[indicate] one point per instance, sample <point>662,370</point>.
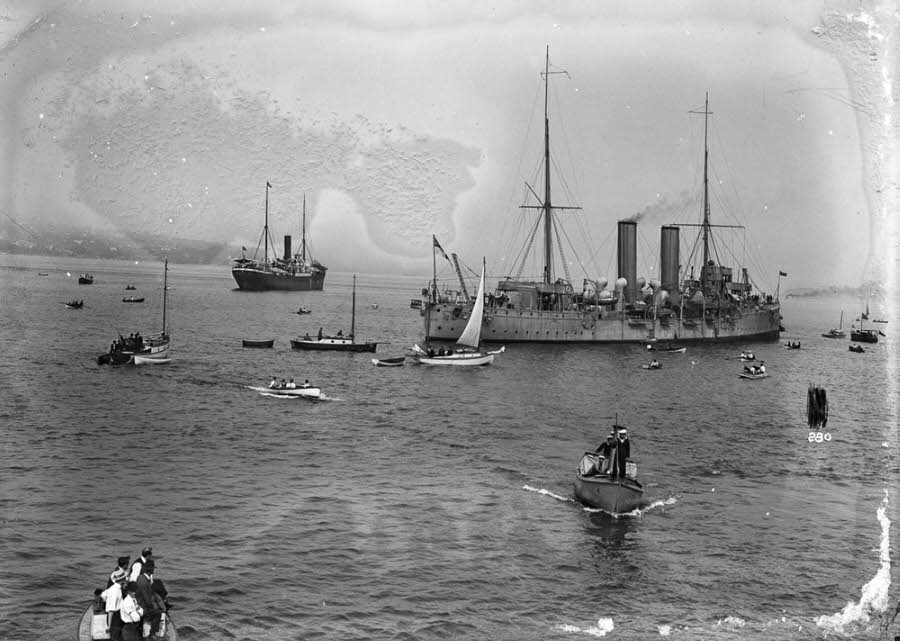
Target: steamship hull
<point>259,280</point>
<point>445,321</point>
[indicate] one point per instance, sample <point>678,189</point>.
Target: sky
<point>402,120</point>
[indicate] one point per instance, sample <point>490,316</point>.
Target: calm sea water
<point>419,503</point>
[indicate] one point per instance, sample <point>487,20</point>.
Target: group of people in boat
<point>320,335</point>
<point>133,597</point>
<point>440,352</point>
<point>276,384</point>
<point>76,303</point>
<point>748,356</point>
<point>614,453</point>
<point>134,342</point>
<point>756,369</point>
<point>791,345</point>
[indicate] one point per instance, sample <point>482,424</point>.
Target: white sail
<point>471,335</point>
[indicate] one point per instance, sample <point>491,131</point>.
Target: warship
<point>707,302</point>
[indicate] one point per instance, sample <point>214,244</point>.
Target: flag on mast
<point>437,246</point>
<point>780,273</point>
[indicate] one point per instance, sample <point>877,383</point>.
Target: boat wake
<point>874,597</point>
<point>599,630</point>
<point>564,499</point>
<point>638,511</point>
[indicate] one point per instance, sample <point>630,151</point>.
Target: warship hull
<point>446,321</point>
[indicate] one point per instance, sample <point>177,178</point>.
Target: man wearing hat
<point>604,453</point>
<point>146,553</point>
<point>122,563</point>
<point>113,596</point>
<point>622,447</point>
<point>149,600</point>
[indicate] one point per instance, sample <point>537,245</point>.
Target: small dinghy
<point>667,348</point>
<point>857,348</point>
<point>389,362</point>
<point>258,344</point>
<point>749,375</point>
<point>132,299</point>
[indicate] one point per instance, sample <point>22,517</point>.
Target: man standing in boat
<point>604,454</point>
<point>622,452</point>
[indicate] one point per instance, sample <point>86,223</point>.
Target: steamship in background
<point>710,302</point>
<point>290,273</point>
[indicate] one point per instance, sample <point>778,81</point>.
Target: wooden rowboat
<point>259,344</point>
<point>389,362</point>
<point>753,376</point>
<point>92,625</point>
<point>132,299</point>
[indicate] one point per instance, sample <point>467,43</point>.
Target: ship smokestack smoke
<point>664,208</point>
<point>627,258</point>
<point>287,247</point>
<point>669,257</point>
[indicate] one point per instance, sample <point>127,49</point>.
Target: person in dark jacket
<point>622,447</point>
<point>151,603</point>
<point>604,454</point>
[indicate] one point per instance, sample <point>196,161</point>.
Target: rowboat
<point>668,348</point>
<point>92,625</point>
<point>132,299</point>
<point>653,366</point>
<point>753,376</point>
<point>307,392</point>
<point>304,310</point>
<point>389,362</point>
<point>259,344</point>
<point>857,348</point>
<point>86,279</point>
<point>605,493</point>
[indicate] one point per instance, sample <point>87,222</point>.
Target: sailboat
<point>290,273</point>
<point>715,303</point>
<point>338,343</point>
<point>468,347</point>
<point>149,350</point>
<point>860,334</point>
<point>839,332</point>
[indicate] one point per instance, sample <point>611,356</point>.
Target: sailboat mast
<point>548,212</point>
<point>706,183</point>
<point>165,293</point>
<point>266,227</point>
<point>353,310</point>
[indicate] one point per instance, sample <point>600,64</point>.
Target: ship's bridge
<point>532,294</point>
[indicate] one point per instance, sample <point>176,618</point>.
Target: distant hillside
<point>135,247</point>
<point>873,290</point>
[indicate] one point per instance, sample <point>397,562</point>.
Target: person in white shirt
<point>146,553</point>
<point>113,596</point>
<point>131,614</point>
<point>291,384</point>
